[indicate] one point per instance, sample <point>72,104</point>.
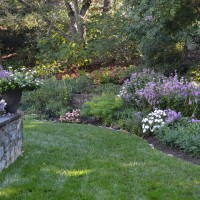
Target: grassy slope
<point>66,161</point>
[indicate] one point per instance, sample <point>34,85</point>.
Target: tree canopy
<point>81,32</point>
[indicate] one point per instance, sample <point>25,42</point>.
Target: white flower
<point>145,120</point>
<point>150,121</point>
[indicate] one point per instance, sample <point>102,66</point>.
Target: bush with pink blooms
<point>71,117</point>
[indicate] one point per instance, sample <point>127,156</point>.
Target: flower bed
<point>154,103</point>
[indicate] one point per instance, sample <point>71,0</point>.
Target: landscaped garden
<point>102,86</point>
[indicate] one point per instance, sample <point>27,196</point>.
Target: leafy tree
<point>165,30</point>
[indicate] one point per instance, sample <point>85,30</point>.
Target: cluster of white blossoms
<point>19,79</point>
<point>153,121</point>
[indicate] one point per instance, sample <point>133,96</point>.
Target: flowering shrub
<point>71,116</point>
<point>158,119</point>
<point>163,92</point>
<point>195,120</point>
<point>172,116</point>
<point>2,105</point>
<point>137,81</point>
<point>153,121</point>
<point>178,94</point>
<point>22,79</point>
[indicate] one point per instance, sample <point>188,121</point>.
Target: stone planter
<point>11,139</point>
<point>12,98</point>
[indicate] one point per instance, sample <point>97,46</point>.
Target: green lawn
<point>69,161</point>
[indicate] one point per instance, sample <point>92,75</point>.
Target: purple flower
<point>195,121</point>
<point>5,74</point>
<point>148,18</point>
<point>172,116</point>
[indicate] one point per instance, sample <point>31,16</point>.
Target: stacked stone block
<point>11,139</point>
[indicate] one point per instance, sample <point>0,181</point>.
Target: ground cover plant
<point>69,161</point>
<point>184,135</point>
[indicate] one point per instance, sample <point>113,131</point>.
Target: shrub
<point>79,84</point>
<point>111,74</point>
<point>163,93</point>
<point>138,80</point>
<point>157,119</point>
<point>71,116</point>
<point>51,100</point>
<point>129,119</point>
<point>185,136</point>
<point>153,121</point>
<point>105,88</point>
<point>103,107</point>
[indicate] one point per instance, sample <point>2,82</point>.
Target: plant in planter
<point>13,82</point>
<point>2,105</point>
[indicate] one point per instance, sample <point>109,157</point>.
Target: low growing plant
<point>51,100</point>
<point>153,121</point>
<point>103,107</point>
<point>80,84</point>
<point>71,117</point>
<point>185,136</point>
<point>158,119</point>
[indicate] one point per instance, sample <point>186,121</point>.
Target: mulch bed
<point>171,151</point>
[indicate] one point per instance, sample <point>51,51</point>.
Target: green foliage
<point>51,100</point>
<point>163,30</point>
<point>103,107</point>
<point>111,74</point>
<point>80,84</point>
<point>19,79</point>
<point>185,136</point>
<point>194,73</point>
<point>108,40</point>
<point>105,88</point>
<point>129,119</point>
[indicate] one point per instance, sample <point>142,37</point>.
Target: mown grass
<point>70,161</point>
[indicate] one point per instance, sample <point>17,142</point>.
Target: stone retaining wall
<point>11,139</point>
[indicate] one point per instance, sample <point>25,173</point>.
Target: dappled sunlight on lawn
<point>74,172</point>
<point>67,172</point>
<point>8,192</point>
<point>133,164</point>
<point>28,126</point>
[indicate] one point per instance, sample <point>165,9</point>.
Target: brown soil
<point>171,151</point>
